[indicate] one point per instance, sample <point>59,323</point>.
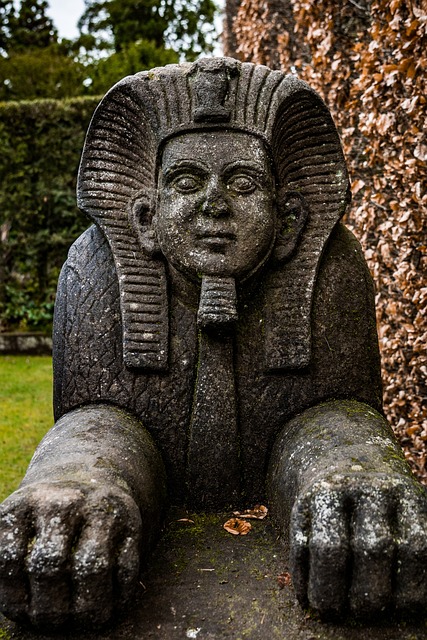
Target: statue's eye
<point>186,183</point>
<point>241,184</point>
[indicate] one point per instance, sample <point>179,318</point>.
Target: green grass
<point>25,414</point>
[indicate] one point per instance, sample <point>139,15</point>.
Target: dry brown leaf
<point>357,185</point>
<point>410,431</point>
<point>284,580</point>
<point>259,512</point>
<point>237,527</point>
<point>186,520</point>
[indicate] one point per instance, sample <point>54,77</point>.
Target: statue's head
<point>219,209</point>
<point>216,212</point>
<point>216,169</point>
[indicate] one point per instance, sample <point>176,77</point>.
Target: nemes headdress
<point>119,164</point>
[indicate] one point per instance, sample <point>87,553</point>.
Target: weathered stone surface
<point>202,578</point>
<point>91,368</point>
<point>89,508</point>
<point>358,519</point>
<point>216,322</point>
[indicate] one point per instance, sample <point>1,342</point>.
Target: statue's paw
<point>69,554</point>
<point>359,545</point>
<point>105,563</point>
<point>411,554</point>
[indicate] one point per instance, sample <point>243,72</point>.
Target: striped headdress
<point>119,164</point>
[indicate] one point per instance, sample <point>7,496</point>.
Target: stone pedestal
<point>205,583</point>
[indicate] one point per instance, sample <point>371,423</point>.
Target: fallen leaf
<point>259,512</point>
<point>186,520</point>
<point>284,580</point>
<point>237,527</point>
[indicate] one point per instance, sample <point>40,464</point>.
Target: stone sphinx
<point>214,345</point>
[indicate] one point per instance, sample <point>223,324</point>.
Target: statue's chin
<point>218,265</point>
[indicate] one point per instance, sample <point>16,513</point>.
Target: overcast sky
<point>65,14</point>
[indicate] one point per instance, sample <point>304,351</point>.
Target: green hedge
<point>40,147</point>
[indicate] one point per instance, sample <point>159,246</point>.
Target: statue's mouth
<point>216,240</point>
<point>216,236</point>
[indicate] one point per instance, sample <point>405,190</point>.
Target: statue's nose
<point>215,204</point>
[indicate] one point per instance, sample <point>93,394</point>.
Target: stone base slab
<point>205,583</point>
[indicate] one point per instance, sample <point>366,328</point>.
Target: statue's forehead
<point>215,147</point>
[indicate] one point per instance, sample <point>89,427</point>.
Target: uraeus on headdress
<point>119,164</point>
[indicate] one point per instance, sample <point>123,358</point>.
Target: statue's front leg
<point>72,536</point>
<point>356,517</point>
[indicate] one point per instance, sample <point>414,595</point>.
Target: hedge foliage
<point>368,60</point>
<point>40,146</point>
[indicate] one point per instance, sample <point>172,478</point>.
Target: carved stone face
<point>216,206</point>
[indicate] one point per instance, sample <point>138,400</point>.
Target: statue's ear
<point>142,218</point>
<point>292,214</point>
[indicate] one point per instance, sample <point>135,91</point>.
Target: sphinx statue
<point>214,346</point>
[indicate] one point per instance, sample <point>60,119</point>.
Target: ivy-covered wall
<point>40,147</point>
